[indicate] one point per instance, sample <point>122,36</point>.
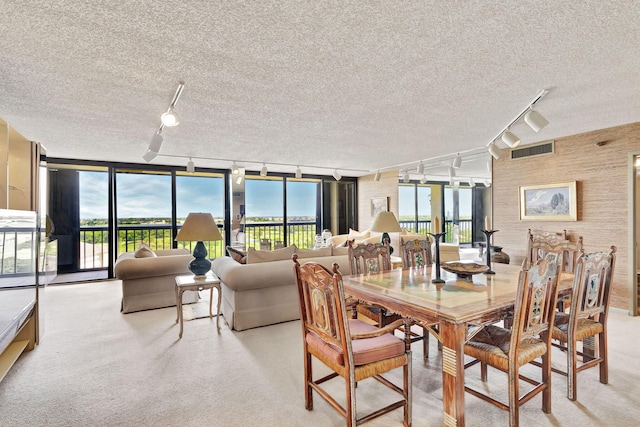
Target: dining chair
<point>375,258</point>
<point>540,243</point>
<point>529,338</point>
<point>351,348</point>
<point>587,317</point>
<point>416,253</point>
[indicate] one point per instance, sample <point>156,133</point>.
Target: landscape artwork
<point>549,202</point>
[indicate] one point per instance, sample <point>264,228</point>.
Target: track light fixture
<point>337,175</point>
<point>170,118</point>
<point>452,172</point>
<point>531,117</point>
<point>154,146</point>
<point>535,120</point>
<point>239,179</point>
<point>191,167</point>
<point>487,183</point>
<point>234,169</point>
<point>423,179</point>
<point>510,139</point>
<point>495,151</point>
<point>420,169</point>
<point>472,182</point>
<point>376,178</point>
<point>149,155</point>
<point>457,162</point>
<point>299,173</point>
<point>263,171</point>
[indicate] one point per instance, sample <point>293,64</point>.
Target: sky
<point>149,196</point>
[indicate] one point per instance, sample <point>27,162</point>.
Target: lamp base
<point>200,266</point>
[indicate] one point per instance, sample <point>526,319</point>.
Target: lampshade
<point>495,151</point>
<point>170,118</point>
<point>385,222</point>
<point>198,227</point>
<point>535,120</point>
<point>510,139</point>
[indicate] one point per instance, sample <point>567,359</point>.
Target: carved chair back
<point>591,286</point>
<point>416,253</point>
<point>369,258</point>
<point>541,243</point>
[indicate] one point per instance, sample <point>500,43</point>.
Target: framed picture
<point>378,204</point>
<point>549,202</point>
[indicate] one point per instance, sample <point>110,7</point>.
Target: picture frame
<point>379,204</point>
<point>549,202</point>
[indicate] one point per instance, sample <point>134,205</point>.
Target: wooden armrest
<point>381,331</point>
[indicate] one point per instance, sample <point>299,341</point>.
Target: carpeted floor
<point>97,367</point>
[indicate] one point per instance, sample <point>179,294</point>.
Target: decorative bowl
<point>464,270</point>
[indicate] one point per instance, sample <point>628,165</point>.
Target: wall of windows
<point>460,210</point>
<point>101,210</point>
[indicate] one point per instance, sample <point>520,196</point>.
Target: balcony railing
<point>424,226</point>
<point>94,240</point>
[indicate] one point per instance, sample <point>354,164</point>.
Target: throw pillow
<point>254,256</point>
<point>313,253</point>
<point>237,255</point>
<point>144,251</point>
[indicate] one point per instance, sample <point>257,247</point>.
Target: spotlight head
<point>191,168</point>
<point>149,155</point>
<point>423,179</point>
<point>263,171</point>
<point>156,143</point>
<point>487,183</point>
<point>452,172</point>
<point>405,178</point>
<point>472,182</point>
<point>337,175</point>
<point>420,169</point>
<point>535,120</point>
<point>298,173</point>
<point>510,139</point>
<point>376,178</point>
<point>495,151</point>
<point>234,169</point>
<point>457,162</point>
<point>239,179</point>
<point>170,118</point>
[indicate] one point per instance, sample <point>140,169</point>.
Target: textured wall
<point>368,188</point>
<point>602,175</point>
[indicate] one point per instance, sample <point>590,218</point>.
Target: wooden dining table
<point>459,306</point>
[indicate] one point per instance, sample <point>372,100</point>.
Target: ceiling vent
<point>533,150</point>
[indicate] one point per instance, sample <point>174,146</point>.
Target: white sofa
<point>149,282</point>
<point>264,293</point>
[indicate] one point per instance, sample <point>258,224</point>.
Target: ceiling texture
<point>358,86</point>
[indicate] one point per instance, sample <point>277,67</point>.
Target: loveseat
<point>149,278</point>
<point>263,291</point>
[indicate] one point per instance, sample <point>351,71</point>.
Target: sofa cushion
<point>340,250</point>
<point>355,234</point>
<point>237,255</point>
<point>313,253</point>
<point>144,251</point>
<point>254,256</point>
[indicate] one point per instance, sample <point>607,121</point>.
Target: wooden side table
<point>396,262</point>
<point>189,282</point>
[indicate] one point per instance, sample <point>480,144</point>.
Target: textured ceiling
<point>360,85</point>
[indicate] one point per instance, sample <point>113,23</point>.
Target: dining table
<point>459,307</point>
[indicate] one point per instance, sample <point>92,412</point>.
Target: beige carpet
<point>97,367</point>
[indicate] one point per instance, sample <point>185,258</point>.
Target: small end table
<point>189,282</point>
<point>396,262</point>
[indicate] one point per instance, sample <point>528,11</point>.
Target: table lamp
<point>385,223</point>
<point>199,227</point>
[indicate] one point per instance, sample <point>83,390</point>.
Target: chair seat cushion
<point>365,351</point>
<point>491,345</point>
<point>586,328</point>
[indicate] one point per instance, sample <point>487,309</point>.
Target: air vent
<point>533,150</point>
